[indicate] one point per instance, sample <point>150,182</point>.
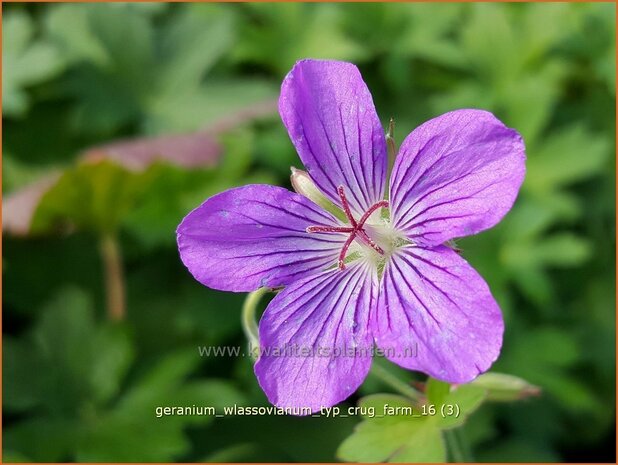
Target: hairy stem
<point>249,323</point>
<point>114,277</point>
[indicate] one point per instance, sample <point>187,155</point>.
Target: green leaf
<point>114,355</point>
<point>9,456</point>
<point>126,439</point>
<point>16,173</point>
<point>569,155</point>
<point>285,33</point>
<point>543,27</point>
<point>165,385</point>
<point>425,446</point>
<point>190,110</point>
<point>412,441</point>
<point>132,431</point>
<point>534,215</point>
<point>113,52</point>
<point>126,36</point>
<point>212,26</point>
<point>161,379</point>
<point>527,221</point>
<point>128,75</point>
<point>91,196</point>
<point>21,390</point>
<point>375,442</point>
<point>560,250</point>
<point>427,36</point>
<point>67,361</point>
<point>463,400</point>
<point>536,285</point>
<point>531,100</point>
<point>44,439</point>
<point>64,337</point>
<point>546,357</point>
<point>68,26</point>
<point>490,42</point>
<point>25,60</point>
<point>173,193</point>
<point>396,430</point>
<point>393,438</point>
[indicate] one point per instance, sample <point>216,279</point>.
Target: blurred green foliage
<point>78,387</point>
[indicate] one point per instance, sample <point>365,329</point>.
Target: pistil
<point>355,231</point>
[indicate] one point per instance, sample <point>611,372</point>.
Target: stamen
<point>344,251</point>
<point>370,242</point>
<point>346,205</point>
<point>373,208</point>
<point>314,229</point>
<point>355,231</point>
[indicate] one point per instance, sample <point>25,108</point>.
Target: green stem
<point>388,378</point>
<point>464,445</point>
<point>249,323</point>
<point>456,447</point>
<point>114,277</point>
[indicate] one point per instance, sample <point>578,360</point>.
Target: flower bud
<point>304,185</point>
<point>505,388</point>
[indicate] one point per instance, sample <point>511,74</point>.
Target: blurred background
<point>120,118</point>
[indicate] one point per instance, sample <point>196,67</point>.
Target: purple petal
<point>456,175</point>
<point>435,314</point>
<point>327,316</point>
<point>255,236</point>
<point>329,114</point>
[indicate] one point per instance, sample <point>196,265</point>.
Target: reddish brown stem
<point>114,277</point>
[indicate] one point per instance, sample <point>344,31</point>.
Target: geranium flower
<point>380,276</point>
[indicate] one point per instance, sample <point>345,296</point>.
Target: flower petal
<point>255,236</point>
<point>435,314</point>
<point>329,114</point>
<point>326,319</point>
<point>456,175</point>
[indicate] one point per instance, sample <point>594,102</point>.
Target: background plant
<point>81,383</point>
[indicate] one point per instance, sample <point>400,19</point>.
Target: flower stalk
<point>114,276</point>
<point>249,322</point>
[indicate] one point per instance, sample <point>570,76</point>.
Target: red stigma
<point>356,229</point>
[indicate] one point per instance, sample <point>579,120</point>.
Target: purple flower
<point>381,278</point>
